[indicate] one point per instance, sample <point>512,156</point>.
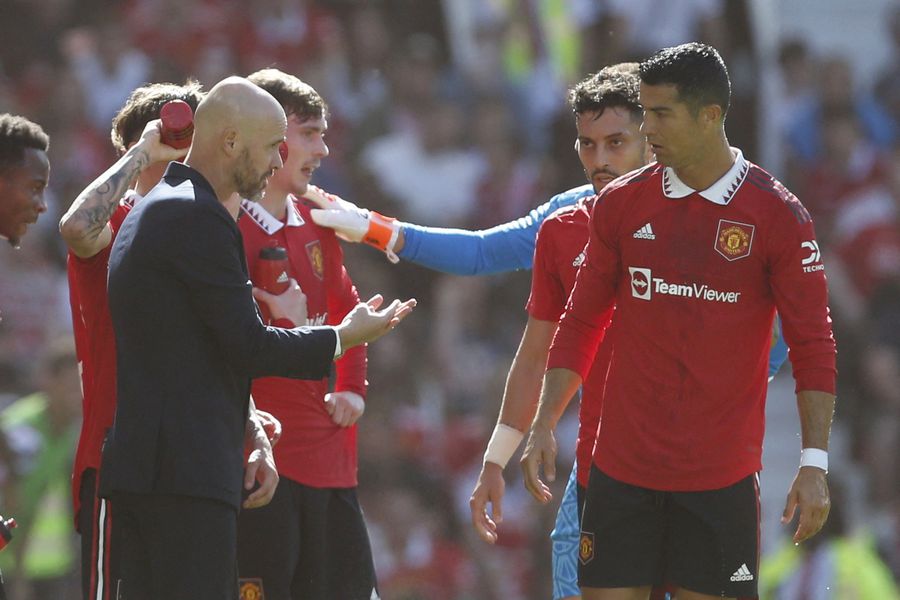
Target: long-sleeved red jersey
<point>559,252</point>
<point>313,450</point>
<point>95,346</point>
<point>696,278</point>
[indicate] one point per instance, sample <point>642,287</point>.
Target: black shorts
<point>307,543</point>
<point>707,541</point>
<point>99,564</point>
<point>175,547</point>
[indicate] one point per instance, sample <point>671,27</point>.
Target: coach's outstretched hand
<point>366,323</point>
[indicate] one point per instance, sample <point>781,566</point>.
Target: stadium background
<point>452,113</point>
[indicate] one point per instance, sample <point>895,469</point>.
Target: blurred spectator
<point>288,32</point>
<point>795,91</point>
<point>417,555</point>
<point>353,58</point>
<point>641,27</point>
<point>837,92</point>
<point>107,67</point>
<point>848,165</point>
<point>510,182</point>
<point>42,428</point>
<point>425,167</point>
<point>834,564</point>
<point>887,89</point>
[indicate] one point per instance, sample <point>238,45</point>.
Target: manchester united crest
<point>251,589</point>
<point>734,240</point>
<point>316,258</point>
<point>586,547</point>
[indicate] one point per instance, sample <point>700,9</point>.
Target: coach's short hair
<point>613,86</point>
<point>296,97</point>
<point>696,70</point>
<point>144,104</point>
<point>16,134</point>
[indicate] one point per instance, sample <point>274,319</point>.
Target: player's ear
<point>230,141</point>
<point>711,114</point>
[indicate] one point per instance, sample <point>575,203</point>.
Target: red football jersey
<point>696,278</point>
<point>95,347</point>
<point>313,450</point>
<point>559,251</point>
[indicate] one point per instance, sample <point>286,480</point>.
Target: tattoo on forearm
<point>97,203</point>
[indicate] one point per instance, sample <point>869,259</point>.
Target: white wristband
<point>503,444</point>
<point>814,457</point>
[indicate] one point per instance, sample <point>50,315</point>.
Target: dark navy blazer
<point>188,341</point>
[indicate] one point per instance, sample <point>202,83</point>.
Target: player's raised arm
<point>506,247</point>
<point>85,226</point>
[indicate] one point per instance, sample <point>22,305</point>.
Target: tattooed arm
<point>85,226</point>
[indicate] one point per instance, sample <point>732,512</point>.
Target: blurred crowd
<point>441,113</point>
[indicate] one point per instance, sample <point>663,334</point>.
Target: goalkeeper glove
<point>353,223</point>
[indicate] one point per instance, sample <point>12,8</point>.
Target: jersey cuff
<point>816,380</point>
<point>337,344</point>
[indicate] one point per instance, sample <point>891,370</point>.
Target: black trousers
<point>175,547</point>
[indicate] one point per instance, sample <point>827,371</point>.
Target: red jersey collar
<point>266,221</point>
<point>721,192</point>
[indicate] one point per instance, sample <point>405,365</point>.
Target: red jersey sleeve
<point>341,298</point>
<point>547,300</point>
<point>586,319</point>
<point>799,287</point>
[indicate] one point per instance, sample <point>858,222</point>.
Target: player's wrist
<point>382,233</point>
<point>814,457</point>
<point>504,442</point>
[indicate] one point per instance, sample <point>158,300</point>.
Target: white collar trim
<point>721,192</point>
<point>266,221</point>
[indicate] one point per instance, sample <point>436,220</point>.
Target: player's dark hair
<point>696,70</point>
<point>144,104</point>
<point>16,134</point>
<point>612,86</point>
<point>296,97</point>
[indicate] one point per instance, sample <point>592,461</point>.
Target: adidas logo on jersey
<point>742,574</point>
<point>579,260</point>
<point>283,278</point>
<point>645,233</point>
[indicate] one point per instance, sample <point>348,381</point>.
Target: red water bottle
<point>6,527</point>
<point>271,274</point>
<point>177,124</point>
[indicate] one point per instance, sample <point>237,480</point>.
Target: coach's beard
<point>248,184</point>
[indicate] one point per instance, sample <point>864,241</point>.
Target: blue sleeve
<point>506,247</point>
<point>779,352</point>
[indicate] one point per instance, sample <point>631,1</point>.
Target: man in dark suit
<point>188,342</point>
